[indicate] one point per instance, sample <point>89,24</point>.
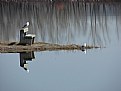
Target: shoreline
<point>15,47</point>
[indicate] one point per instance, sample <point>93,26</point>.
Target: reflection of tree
<point>58,21</point>
<point>61,0</point>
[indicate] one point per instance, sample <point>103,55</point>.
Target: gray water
<point>64,23</point>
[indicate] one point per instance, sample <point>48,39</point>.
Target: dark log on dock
<point>15,47</point>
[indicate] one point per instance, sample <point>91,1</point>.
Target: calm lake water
<point>64,23</point>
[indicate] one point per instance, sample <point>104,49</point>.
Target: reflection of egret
<point>85,51</point>
<point>26,67</point>
<point>26,25</point>
<point>27,70</point>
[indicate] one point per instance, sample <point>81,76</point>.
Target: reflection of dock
<point>24,57</point>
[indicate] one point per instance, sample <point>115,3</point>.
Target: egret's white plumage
<point>85,44</point>
<point>26,25</point>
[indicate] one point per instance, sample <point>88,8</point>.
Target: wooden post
<point>23,33</point>
<point>26,38</point>
<point>29,38</point>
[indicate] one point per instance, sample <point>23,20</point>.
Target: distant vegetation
<point>60,0</point>
<point>61,22</point>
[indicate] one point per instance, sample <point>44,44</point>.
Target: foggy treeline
<point>60,22</point>
<point>60,0</point>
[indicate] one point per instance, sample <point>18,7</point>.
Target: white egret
<point>26,25</point>
<point>85,44</point>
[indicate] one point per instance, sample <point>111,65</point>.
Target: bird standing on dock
<point>26,25</point>
<point>83,48</point>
